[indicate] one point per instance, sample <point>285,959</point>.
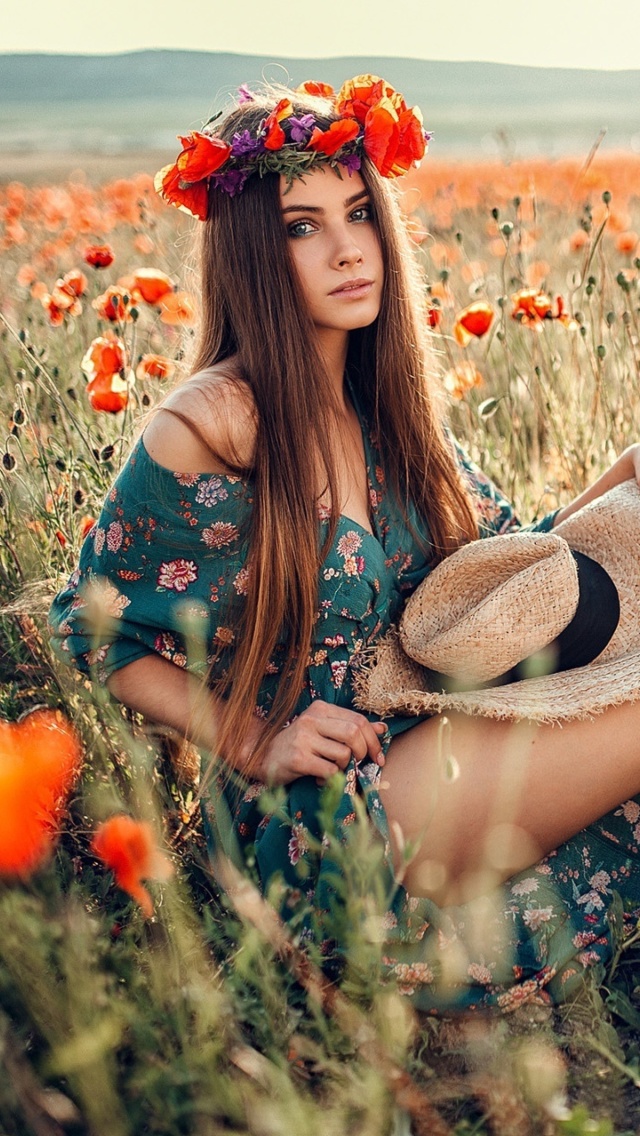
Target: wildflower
<point>151,284</point>
<point>113,305</point>
<point>39,760</point>
<point>578,240</point>
<point>86,524</point>
<point>434,314</point>
<point>99,256</point>
<point>177,308</point>
<point>143,243</point>
<point>128,848</point>
<point>26,275</point>
<point>184,183</point>
<point>627,242</point>
<point>530,306</point>
<point>274,135</point>
<point>108,392</point>
<point>461,379</point>
<point>338,134</point>
<point>320,90</point>
<point>154,367</point>
<point>106,355</point>
<point>473,321</point>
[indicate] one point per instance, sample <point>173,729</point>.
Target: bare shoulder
<point>219,406</point>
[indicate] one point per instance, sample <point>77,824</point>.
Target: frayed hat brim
<point>387,683</point>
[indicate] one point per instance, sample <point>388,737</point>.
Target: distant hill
<point>140,100</point>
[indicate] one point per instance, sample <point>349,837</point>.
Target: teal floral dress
<point>165,567</point>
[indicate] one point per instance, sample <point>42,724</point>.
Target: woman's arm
<point>320,741</point>
<point>624,468</point>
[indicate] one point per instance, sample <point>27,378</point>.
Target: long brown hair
<point>251,310</point>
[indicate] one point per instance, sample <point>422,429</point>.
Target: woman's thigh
<point>470,801</point>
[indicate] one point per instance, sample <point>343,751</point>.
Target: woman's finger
<point>356,733</point>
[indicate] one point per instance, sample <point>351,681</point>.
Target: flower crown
<point>373,119</point>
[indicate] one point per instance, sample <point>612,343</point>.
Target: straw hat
<point>498,601</point>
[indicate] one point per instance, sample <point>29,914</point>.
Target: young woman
<point>267,528</point>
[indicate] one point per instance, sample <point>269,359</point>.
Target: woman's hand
<point>320,741</point>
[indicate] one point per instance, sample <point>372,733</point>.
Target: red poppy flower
<point>461,379</point>
<point>39,760</point>
<point>201,155</point>
<point>114,304</point>
<point>74,282</point>
<point>151,284</point>
<point>356,97</point>
<point>177,308</point>
<point>106,355</point>
<point>434,315</point>
<point>274,134</point>
<point>530,306</point>
<point>108,392</point>
<point>55,313</point>
<point>127,846</point>
<point>154,367</point>
<point>311,87</point>
<point>86,524</point>
<point>473,321</point>
<point>191,199</point>
<point>329,141</point>
<point>393,142</point>
<point>99,256</point>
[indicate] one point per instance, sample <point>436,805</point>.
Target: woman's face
<point>335,246</point>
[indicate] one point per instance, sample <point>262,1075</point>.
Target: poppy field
<point>141,989</point>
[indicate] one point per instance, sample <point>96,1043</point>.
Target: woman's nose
<point>347,251</point>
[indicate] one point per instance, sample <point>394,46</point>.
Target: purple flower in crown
<point>231,181</point>
<point>351,162</point>
<point>301,128</point>
<point>244,143</point>
<point>245,95</point>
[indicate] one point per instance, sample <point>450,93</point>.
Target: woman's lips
<point>353,289</point>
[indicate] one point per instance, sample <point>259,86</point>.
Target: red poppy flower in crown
<point>372,119</point>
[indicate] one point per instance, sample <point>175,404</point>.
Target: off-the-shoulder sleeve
<point>496,514</point>
<point>163,571</point>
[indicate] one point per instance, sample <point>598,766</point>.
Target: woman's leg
<point>470,801</point>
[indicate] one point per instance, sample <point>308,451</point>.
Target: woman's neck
<point>333,349</point>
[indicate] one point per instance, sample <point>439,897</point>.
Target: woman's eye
<point>300,228</point>
<point>362,213</point>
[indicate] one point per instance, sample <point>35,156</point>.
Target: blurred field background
<point>202,1019</point>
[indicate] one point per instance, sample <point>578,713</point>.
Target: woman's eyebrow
<point>318,208</point>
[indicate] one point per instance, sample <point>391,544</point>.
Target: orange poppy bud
<point>99,256</point>
<point>39,760</point>
<point>151,284</point>
<point>128,848</point>
<point>461,379</point>
<point>154,367</point>
<point>473,321</point>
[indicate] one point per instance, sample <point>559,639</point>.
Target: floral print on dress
<point>168,544</point>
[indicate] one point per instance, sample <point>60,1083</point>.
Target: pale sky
<point>563,33</point>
